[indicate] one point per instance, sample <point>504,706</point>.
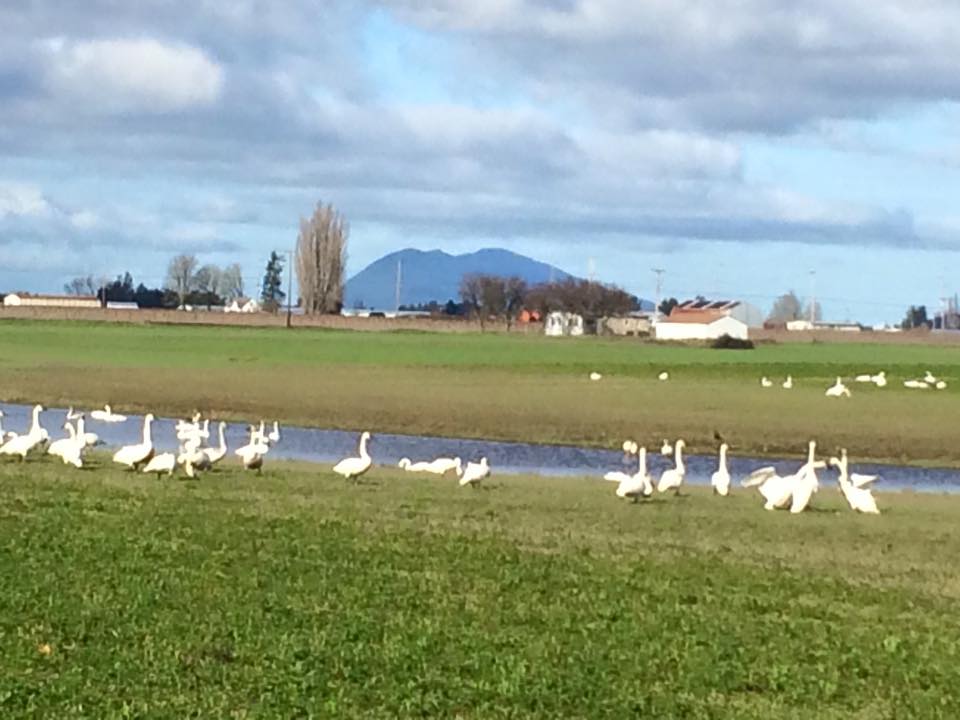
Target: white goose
<point>720,480</point>
<point>666,449</point>
<point>251,454</point>
<point>806,482</point>
<point>89,438</point>
<point>58,447</point>
<point>135,455</point>
<point>663,376</point>
<point>274,435</point>
<point>864,378</point>
<point>354,467</point>
<point>880,379</point>
<point>929,378</point>
<point>639,484</point>
<point>916,385</point>
<point>596,376</point>
<point>72,414</point>
<point>672,479</point>
<point>788,383</point>
<point>766,382</point>
<point>630,448</point>
<point>23,444</point>
<point>858,497</point>
<point>474,472</point>
<point>107,415</point>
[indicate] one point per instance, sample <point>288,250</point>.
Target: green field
<point>495,386</point>
<point>297,595</point>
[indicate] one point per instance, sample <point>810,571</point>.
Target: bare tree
<point>471,295</point>
<point>82,286</point>
<point>785,308</point>
<point>231,282</point>
<point>181,275</point>
<point>321,260</point>
<point>208,279</point>
<point>590,299</point>
<point>514,294</point>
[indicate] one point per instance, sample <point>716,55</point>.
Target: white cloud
<point>21,199</point>
<point>132,75</point>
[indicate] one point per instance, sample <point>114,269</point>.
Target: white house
<point>700,325</point>
<point>242,305</point>
<point>22,299</point>
<point>749,314</point>
<point>559,324</point>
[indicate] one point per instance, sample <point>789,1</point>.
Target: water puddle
<point>328,446</point>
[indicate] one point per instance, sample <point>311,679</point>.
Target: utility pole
<point>289,285</point>
<point>591,270</point>
<point>399,281</point>
<point>656,310</point>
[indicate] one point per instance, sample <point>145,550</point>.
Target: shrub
<point>725,342</point>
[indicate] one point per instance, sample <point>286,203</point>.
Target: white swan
<point>274,435</point>
<point>859,498</point>
<point>720,480</point>
<point>672,479</point>
<point>880,379</point>
<point>162,463</point>
<point>58,447</point>
<point>89,439</point>
<point>788,383</point>
<point>865,378</point>
<point>23,444</point>
<point>639,484</point>
<point>107,415</point>
<point>805,482</point>
<point>916,385</point>
<point>941,385</point>
<point>251,454</point>
<point>215,455</point>
<point>596,376</point>
<point>929,378</point>
<point>630,448</point>
<point>438,466</point>
<point>135,455</point>
<point>775,489</point>
<point>474,472</point>
<point>663,376</point>
<point>73,415</point>
<point>766,382</point>
<point>354,467</point>
<point>666,449</point>
<point>838,389</point>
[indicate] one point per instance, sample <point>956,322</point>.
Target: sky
<point>746,147</point>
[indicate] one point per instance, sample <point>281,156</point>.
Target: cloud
<point>132,75</point>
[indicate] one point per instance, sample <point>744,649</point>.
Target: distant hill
<point>435,275</point>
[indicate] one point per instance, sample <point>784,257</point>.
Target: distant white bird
<point>596,376</point>
<point>58,447</point>
<point>941,385</point>
<point>857,496</point>
<point>354,467</point>
<point>867,378</point>
<point>663,376</point>
<point>880,379</point>
<point>215,455</point>
<point>788,383</point>
<point>22,444</point>
<point>251,454</point>
<point>72,415</point>
<point>274,435</point>
<point>838,389</point>
<point>916,384</point>
<point>639,484</point>
<point>630,448</point>
<point>439,466</point>
<point>929,378</point>
<point>135,455</point>
<point>474,472</point>
<point>672,479</point>
<point>720,480</point>
<point>776,489</point>
<point>766,382</point>
<point>666,449</point>
<point>89,438</point>
<point>107,415</point>
<point>162,463</point>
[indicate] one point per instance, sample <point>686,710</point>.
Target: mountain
<point>435,275</point>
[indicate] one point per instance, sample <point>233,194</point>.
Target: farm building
<point>750,315</point>
<point>629,325</point>
<point>560,324</point>
<point>242,305</point>
<point>22,299</point>
<point>700,325</point>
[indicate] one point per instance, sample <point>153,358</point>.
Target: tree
<point>321,260</point>
<point>592,300</point>
<point>817,312</point>
<point>181,275</point>
<point>82,286</point>
<point>207,284</point>
<point>667,306</point>
<point>786,308</point>
<point>271,294</point>
<point>515,295</point>
<point>231,282</point>
<point>471,295</point>
<point>916,318</point>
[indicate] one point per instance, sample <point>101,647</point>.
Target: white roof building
<point>242,305</point>
<point>21,299</point>
<point>699,325</point>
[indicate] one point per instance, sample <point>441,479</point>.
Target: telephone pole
<point>813,297</point>
<point>289,285</point>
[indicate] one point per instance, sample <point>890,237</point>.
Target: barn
<point>22,299</point>
<point>700,325</point>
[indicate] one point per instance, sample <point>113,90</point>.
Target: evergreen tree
<point>271,295</point>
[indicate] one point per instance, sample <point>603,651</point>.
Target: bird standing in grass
<point>353,467</point>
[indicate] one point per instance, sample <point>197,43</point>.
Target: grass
<point>494,386</point>
<point>296,595</point>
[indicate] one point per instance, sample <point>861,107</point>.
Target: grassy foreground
<point>495,386</point>
<point>296,595</point>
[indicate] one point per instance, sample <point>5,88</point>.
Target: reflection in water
<point>328,446</point>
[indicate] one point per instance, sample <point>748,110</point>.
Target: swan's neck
<point>146,431</point>
<point>678,456</point>
<point>642,468</point>
<point>71,432</point>
<point>35,427</point>
<point>81,426</point>
<point>363,448</point>
<point>223,440</point>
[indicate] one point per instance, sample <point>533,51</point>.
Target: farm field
<point>507,387</point>
<point>294,594</point>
